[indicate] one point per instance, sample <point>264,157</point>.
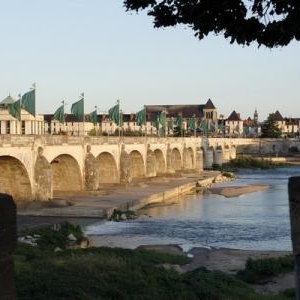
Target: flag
<point>114,114</point>
<point>203,126</point>
<point>77,109</point>
<point>140,117</point>
<point>93,117</point>
<point>28,102</point>
<point>191,123</point>
<point>178,121</point>
<point>59,114</point>
<point>162,118</point>
<point>15,109</point>
<point>171,124</point>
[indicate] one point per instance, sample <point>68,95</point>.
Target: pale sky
<point>72,46</point>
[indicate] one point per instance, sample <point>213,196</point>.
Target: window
<point>7,127</point>
<point>23,127</point>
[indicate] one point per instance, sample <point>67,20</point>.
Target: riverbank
<point>226,260</point>
<point>102,203</point>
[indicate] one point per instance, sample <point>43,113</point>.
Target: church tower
<point>255,117</point>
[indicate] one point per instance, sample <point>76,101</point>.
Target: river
<point>255,221</point>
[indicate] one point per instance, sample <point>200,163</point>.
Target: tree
<point>270,128</point>
<point>271,23</point>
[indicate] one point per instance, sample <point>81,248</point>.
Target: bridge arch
<point>107,168</point>
<point>14,179</point>
<point>66,174</point>
<point>137,164</point>
<point>160,162</point>
<point>176,159</point>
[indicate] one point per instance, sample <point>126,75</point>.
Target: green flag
<point>140,117</point>
<point>114,114</point>
<point>203,126</point>
<point>59,114</point>
<point>15,109</point>
<point>178,121</point>
<point>93,117</point>
<point>77,109</point>
<point>28,102</point>
<point>163,119</point>
<point>191,123</point>
<point>171,124</point>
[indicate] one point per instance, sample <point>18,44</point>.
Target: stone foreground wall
<point>8,236</point>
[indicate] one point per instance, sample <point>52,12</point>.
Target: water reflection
<point>251,221</point>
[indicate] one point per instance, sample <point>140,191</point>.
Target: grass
<point>259,270</point>
<point>53,237</point>
<point>250,162</point>
<point>106,273</point>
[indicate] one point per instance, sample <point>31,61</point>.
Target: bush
<point>57,236</point>
<point>293,149</point>
<point>250,162</point>
<point>260,269</point>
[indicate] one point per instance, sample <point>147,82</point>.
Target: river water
<point>255,221</point>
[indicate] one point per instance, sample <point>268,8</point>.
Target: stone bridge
<point>35,167</point>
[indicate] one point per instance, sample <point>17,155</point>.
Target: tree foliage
<point>270,128</point>
<point>271,23</point>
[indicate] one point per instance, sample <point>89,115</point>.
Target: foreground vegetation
<point>258,270</point>
<point>251,163</point>
<point>105,273</point>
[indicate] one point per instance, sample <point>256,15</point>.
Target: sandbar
<point>235,191</point>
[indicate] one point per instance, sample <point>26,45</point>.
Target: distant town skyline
<point>98,48</point>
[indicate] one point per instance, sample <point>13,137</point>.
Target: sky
<point>96,47</point>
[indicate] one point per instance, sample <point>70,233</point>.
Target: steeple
<point>255,116</point>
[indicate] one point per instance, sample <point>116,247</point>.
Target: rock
<point>123,217</point>
<point>57,249</point>
<point>84,244</point>
<point>72,238</point>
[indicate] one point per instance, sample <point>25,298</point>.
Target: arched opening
<point>137,165</point>
<point>107,168</point>
<point>66,174</point>
<point>160,162</point>
<point>14,179</point>
<point>176,159</point>
<point>188,159</point>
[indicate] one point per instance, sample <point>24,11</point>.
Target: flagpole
<point>194,119</point>
<point>145,122</point>
<point>83,112</point>
<point>20,118</point>
<point>96,120</point>
<point>63,103</point>
<point>34,88</point>
<point>118,102</point>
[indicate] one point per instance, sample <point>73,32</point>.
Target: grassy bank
<point>105,273</point>
<point>248,162</point>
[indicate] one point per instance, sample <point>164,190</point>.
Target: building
<point>27,124</point>
<point>234,125</point>
<point>71,126</point>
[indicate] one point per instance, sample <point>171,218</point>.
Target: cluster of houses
<point>159,120</point>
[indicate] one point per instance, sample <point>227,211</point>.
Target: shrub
<point>293,149</point>
<point>260,269</point>
<point>52,237</point>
